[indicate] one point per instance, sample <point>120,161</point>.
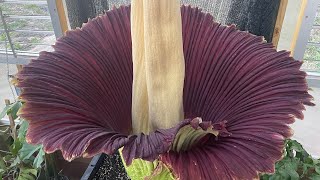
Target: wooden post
<point>279,22</point>
<point>298,26</point>
<point>12,123</point>
<point>62,15</point>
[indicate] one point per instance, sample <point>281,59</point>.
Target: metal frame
<point>96,161</point>
<point>313,81</point>
<point>24,57</point>
<point>307,25</point>
<point>20,42</point>
<point>23,2</point>
<point>19,60</point>
<point>5,121</point>
<point>5,30</point>
<point>29,31</point>
<point>305,29</point>
<point>55,18</point>
<point>27,17</point>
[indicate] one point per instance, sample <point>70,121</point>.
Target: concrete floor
<point>307,131</point>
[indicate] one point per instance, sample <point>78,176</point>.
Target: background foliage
<point>18,159</point>
<point>296,164</point>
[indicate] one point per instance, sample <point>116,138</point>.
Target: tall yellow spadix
<point>158,64</point>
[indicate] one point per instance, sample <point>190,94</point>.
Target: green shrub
<point>296,164</point>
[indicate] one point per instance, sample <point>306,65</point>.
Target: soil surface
<point>111,168</point>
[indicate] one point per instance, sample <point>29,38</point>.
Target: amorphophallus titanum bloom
<point>238,94</point>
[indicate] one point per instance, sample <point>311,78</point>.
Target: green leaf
<point>27,174</point>
<point>28,150</point>
<point>39,159</point>
<point>282,172</point>
<point>293,174</point>
<point>7,158</point>
<point>15,147</point>
<point>309,160</point>
<point>306,167</point>
<point>1,173</point>
<point>161,172</point>
<point>315,177</point>
<point>277,177</point>
<point>291,169</point>
<point>296,164</point>
<point>296,146</point>
<point>16,162</point>
<point>23,130</point>
<point>316,161</point>
<point>265,177</point>
<point>2,164</point>
<point>4,112</point>
<point>140,169</point>
<point>14,108</point>
<point>317,169</point>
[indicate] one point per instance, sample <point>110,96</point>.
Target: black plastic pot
<point>106,167</point>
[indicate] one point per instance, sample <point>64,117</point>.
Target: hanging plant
<point>239,96</point>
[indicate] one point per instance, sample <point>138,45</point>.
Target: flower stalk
<point>158,65</point>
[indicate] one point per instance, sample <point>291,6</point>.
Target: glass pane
<point>29,26</point>
<point>5,90</point>
<point>312,59</point>
<point>317,21</point>
<point>25,9</point>
<point>28,23</point>
<point>315,36</point>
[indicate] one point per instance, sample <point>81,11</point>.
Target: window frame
<point>307,19</point>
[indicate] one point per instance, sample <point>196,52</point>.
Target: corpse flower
<point>238,95</point>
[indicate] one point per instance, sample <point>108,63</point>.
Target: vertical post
<point>303,28</point>
<point>19,67</point>
<point>6,30</point>
<point>62,12</point>
<point>58,17</point>
<point>279,22</point>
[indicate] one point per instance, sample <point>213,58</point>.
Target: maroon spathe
<point>78,98</point>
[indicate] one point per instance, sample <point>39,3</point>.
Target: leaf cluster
<point>18,159</point>
<point>296,164</point>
